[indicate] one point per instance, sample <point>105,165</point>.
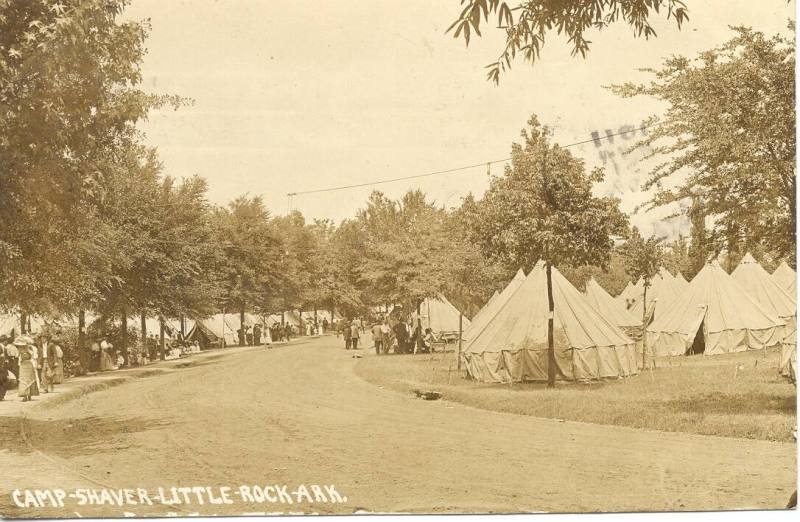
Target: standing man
<point>377,337</point>
<point>346,331</point>
<point>355,333</point>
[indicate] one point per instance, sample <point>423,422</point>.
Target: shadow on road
<point>74,437</point>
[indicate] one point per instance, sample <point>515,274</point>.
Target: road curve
<point>298,414</point>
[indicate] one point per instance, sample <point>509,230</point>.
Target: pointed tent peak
<point>748,259</point>
<point>539,264</point>
<point>663,272</point>
<point>783,268</point>
<point>520,274</point>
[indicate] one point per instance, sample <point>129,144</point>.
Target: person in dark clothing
<point>401,333</point>
<point>3,373</point>
<point>346,332</point>
<point>416,338</point>
<point>257,335</point>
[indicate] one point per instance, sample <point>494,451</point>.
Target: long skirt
<point>105,362</point>
<point>58,376</point>
<point>28,380</point>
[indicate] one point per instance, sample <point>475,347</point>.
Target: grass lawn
<point>733,395</point>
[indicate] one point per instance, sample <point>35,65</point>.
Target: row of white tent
<point>219,326</point>
<point>596,334</point>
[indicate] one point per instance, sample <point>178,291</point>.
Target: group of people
<point>398,338</point>
<point>33,365</point>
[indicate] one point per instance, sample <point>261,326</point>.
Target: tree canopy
<point>542,207</point>
<point>727,140</point>
<point>527,23</point>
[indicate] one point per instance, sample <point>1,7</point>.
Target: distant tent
<point>765,291</point>
<point>489,311</point>
<point>713,315</point>
<point>681,283</point>
<point>513,346</point>
<point>153,326</point>
<point>291,317</point>
<point>666,274</point>
<point>214,331</point>
<point>441,316</point>
<point>175,325</point>
<point>660,295</point>
<point>610,308</point>
<point>625,291</point>
<point>487,306</point>
<point>629,298</point>
<point>785,277</point>
<point>9,324</point>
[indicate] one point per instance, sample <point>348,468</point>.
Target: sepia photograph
<point>267,258</point>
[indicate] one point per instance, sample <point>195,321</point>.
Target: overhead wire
<point>593,139</point>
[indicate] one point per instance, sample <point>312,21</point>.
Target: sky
<point>300,95</point>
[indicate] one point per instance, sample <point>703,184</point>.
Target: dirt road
<point>298,415</point>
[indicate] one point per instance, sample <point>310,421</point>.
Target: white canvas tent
<point>10,324</point>
<point>175,325</point>
<point>486,306</point>
<point>629,295</point>
<point>610,308</point>
<point>785,277</point>
<point>215,330</point>
<point>625,292</point>
<point>660,295</point>
<point>441,316</point>
<point>681,283</point>
<point>489,311</point>
<point>713,315</point>
<point>513,346</point>
<point>765,291</point>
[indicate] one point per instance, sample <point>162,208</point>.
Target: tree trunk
<point>283,318</point>
<point>242,335</point>
<point>82,355</point>
<point>23,323</point>
<point>460,335</point>
<point>644,326</point>
<point>551,350</point>
<point>161,341</point>
<point>183,327</point>
<point>124,338</point>
<point>143,327</point>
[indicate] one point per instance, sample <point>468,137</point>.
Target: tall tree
<point>405,249</point>
<point>643,258</point>
<point>542,207</point>
<point>528,22</point>
<point>69,100</point>
<point>727,139</point>
<point>254,252</point>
